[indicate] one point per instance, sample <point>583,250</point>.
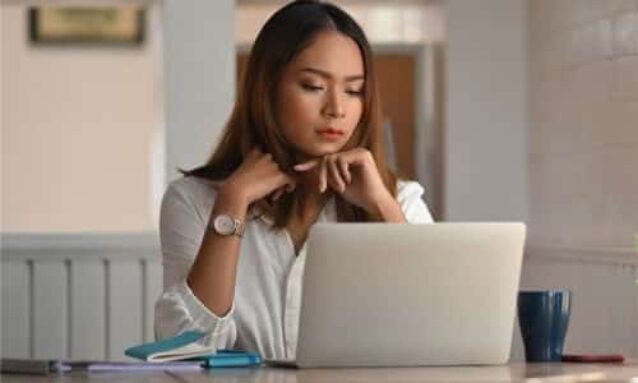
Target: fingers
<point>323,176</point>
<point>277,194</point>
<point>332,170</point>
<point>277,180</point>
<point>321,164</point>
<point>306,166</point>
<point>288,185</point>
<point>259,176</point>
<point>335,169</point>
<point>345,171</point>
<point>336,179</point>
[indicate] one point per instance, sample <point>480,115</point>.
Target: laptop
<point>409,295</point>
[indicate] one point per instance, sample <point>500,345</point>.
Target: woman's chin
<point>322,150</point>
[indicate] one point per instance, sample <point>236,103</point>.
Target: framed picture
<point>87,25</point>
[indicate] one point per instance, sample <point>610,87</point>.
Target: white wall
<point>91,135</point>
<point>398,22</point>
<point>78,128</point>
<point>583,161</point>
<point>199,60</point>
<point>584,123</point>
<point>485,143</point>
<point>575,140</point>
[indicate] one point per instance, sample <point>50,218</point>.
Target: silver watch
<point>223,224</point>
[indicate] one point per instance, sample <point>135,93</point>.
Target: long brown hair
<point>253,122</point>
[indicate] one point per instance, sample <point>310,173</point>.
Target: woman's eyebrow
<point>327,75</point>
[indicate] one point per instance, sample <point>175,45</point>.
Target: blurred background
<point>520,110</point>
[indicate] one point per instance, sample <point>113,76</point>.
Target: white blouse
<point>265,313</point>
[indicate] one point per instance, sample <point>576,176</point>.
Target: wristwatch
<point>223,224</point>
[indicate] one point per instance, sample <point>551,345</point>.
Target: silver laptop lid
<point>406,295</point>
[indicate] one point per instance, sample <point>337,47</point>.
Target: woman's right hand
<point>257,177</point>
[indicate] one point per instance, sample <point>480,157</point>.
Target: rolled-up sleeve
<point>178,309</point>
<point>409,196</point>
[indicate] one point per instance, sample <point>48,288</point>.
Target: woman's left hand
<point>354,175</point>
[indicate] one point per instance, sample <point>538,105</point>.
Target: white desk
<point>516,372</point>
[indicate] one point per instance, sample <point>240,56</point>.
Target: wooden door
<point>396,77</point>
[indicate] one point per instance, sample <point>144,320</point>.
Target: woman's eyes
<point>317,88</point>
<point>310,87</point>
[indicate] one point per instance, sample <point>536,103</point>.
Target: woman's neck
<point>313,201</point>
<point>308,189</point>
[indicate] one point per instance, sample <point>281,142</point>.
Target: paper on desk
<point>94,366</point>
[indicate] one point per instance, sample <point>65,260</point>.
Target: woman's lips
<point>330,134</point>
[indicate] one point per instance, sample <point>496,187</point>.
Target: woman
<point>303,144</point>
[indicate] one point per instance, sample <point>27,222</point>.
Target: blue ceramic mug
<point>544,317</point>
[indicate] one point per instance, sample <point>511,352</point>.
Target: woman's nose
<point>334,107</point>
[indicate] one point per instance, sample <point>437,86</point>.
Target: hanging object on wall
<point>87,25</point>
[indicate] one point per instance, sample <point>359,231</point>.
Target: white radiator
<point>78,296</point>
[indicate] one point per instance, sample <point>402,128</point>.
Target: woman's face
<point>320,95</point>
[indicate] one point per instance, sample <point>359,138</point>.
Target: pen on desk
<point>92,366</point>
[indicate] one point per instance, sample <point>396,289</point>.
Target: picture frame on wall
<point>87,25</point>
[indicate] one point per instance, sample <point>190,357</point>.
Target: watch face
<point>224,225</point>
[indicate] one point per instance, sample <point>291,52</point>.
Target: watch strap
<point>240,227</point>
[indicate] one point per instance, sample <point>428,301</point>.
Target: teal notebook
<point>185,347</point>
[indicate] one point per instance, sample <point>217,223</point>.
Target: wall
<point>80,128</point>
<point>584,123</point>
<point>114,116</point>
<point>567,120</point>
<point>485,139</point>
<point>399,21</point>
<point>199,60</point>
<point>583,115</point>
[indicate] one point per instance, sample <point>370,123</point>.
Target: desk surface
<point>515,372</point>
